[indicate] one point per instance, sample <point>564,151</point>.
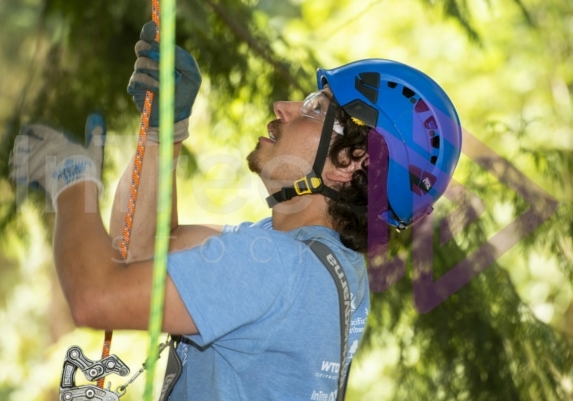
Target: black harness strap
<point>331,263</point>
<point>172,370</point>
<point>312,183</point>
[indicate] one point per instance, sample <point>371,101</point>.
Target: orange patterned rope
<point>136,174</point>
<point>139,153</point>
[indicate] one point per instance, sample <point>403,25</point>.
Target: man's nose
<point>287,110</point>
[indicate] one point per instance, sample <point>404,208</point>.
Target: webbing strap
<point>325,137</point>
<point>312,183</point>
<point>134,190</point>
<point>331,263</point>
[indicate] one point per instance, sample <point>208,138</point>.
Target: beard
<point>253,160</point>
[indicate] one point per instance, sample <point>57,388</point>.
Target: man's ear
<point>340,174</point>
<point>344,174</point>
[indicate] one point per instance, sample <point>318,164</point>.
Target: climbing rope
<point>165,185</point>
<point>139,152</point>
<point>166,29</point>
<point>134,190</point>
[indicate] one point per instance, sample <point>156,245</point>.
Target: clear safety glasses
<point>315,106</point>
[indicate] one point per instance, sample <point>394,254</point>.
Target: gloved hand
<point>146,77</point>
<point>45,157</point>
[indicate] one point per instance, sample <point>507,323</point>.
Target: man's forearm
<point>83,253</point>
<point>142,237</point>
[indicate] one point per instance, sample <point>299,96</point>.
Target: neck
<point>307,210</point>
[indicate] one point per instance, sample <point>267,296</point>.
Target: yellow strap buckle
<point>302,186</point>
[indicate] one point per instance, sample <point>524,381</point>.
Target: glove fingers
<point>148,32</point>
<point>95,137</point>
<point>184,61</point>
<point>142,46</point>
<point>145,76</point>
<point>95,131</point>
<point>148,62</point>
<point>146,65</point>
<point>18,157</point>
<point>142,82</point>
<point>149,50</point>
<point>31,151</point>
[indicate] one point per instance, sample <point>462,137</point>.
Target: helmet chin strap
<point>312,182</point>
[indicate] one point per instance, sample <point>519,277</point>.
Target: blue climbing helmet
<point>416,120</point>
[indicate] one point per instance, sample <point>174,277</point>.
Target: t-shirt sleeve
<point>231,281</point>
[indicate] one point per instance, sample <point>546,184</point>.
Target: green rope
<point>164,191</point>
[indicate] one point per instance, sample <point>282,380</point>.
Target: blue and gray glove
<point>145,78</point>
<point>47,158</point>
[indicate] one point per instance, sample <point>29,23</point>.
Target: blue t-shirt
<point>267,311</point>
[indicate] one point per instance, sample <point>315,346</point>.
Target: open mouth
<point>269,139</point>
<point>272,131</point>
<point>272,136</point>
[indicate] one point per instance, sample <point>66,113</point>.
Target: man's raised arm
<point>146,78</point>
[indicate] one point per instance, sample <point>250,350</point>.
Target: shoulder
<point>331,239</point>
<point>248,248</point>
<point>353,263</point>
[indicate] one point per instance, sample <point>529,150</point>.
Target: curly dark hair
<point>349,212</point>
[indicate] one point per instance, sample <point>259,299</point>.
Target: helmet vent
<point>421,106</point>
<point>363,111</point>
<point>421,181</point>
<point>407,92</point>
<point>369,91</point>
<point>430,123</point>
<point>370,79</point>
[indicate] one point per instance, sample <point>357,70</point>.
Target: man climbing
<point>257,309</point>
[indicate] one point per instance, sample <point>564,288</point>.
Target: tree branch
<point>243,33</point>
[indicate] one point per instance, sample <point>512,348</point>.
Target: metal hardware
<point>93,371</point>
